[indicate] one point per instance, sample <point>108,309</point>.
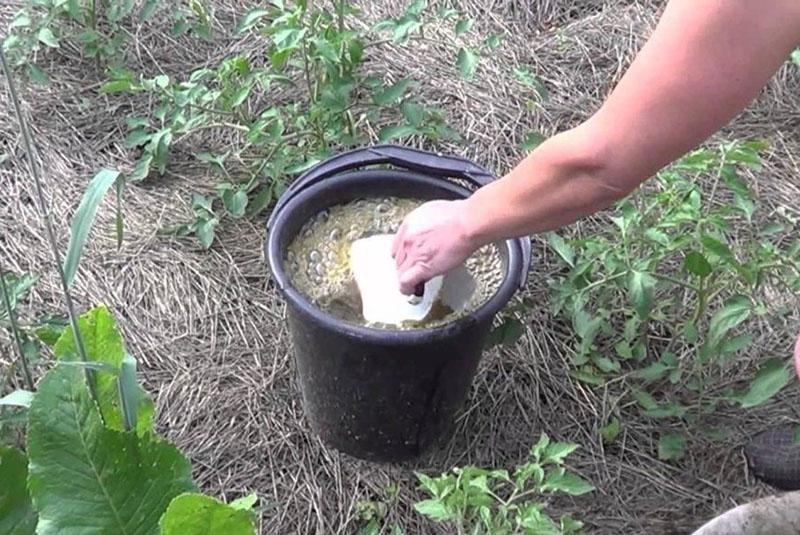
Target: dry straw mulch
<point>208,327</point>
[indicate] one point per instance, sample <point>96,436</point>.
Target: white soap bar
<point>375,273</point>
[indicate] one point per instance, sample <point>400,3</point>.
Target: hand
<point>432,240</point>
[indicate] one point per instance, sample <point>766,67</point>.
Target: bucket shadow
<point>498,423</point>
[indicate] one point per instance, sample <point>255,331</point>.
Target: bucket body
<point>377,394</point>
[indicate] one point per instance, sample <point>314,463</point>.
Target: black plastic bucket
<point>383,395</point>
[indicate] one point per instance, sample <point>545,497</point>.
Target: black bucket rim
<point>294,297</point>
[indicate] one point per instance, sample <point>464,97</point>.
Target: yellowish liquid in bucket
<point>318,260</point>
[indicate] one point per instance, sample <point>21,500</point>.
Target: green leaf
<point>772,376</point>
<point>735,311</point>
<point>653,372</point>
<point>795,56</point>
<point>235,203</point>
<point>36,74</point>
<point>116,86</point>
<point>656,236</point>
<point>538,450</point>
<point>393,93</point>
<point>21,20</point>
<point>492,42</point>
<point>17,398</point>
<point>556,452</point>
<point>138,138</point>
<point>463,26</point>
<point>532,140</point>
<point>508,332</point>
<point>47,37</point>
<point>671,446</point>
<point>645,400</point>
<point>17,516</point>
<point>86,478</point>
<point>734,345</point>
<point>610,431</point>
<point>696,264</point>
<point>528,79</point>
<point>413,113</point>
<point>147,9</point>
<point>690,332</point>
<point>128,393</point>
<point>434,509</point>
<point>641,287</point>
<point>560,246</point>
<point>388,133</point>
<point>250,19</point>
<point>84,217</point>
<point>716,247</point>
<point>142,169</point>
<point>245,503</point>
<point>205,231</point>
<point>562,481</point>
<point>104,345</point>
<point>196,514</point>
<point>467,63</point>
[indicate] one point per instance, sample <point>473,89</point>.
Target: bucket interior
<point>368,183</point>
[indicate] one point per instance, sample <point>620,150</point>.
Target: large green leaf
<point>393,93</point>
<point>196,514</point>
<point>467,62</point>
<point>84,217</point>
<point>641,287</point>
<point>560,246</point>
<point>104,344</point>
<point>562,481</point>
<point>17,516</point>
<point>735,310</point>
<point>86,478</point>
<point>696,264</point>
<point>772,376</point>
<point>671,446</point>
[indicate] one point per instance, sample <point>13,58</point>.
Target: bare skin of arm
<point>705,61</point>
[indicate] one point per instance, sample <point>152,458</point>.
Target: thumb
<point>412,276</point>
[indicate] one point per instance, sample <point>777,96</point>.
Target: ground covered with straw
<point>208,326</point>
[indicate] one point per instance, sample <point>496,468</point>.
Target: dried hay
<point>208,327</point>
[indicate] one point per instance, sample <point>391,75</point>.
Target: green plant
<point>95,25</point>
<point>372,513</point>
<point>94,462</point>
<point>28,336</point>
<point>660,296</point>
<point>314,53</point>
<point>476,500</point>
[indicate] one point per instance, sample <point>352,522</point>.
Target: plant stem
<point>93,14</point>
<point>12,319</point>
<point>48,223</point>
<point>667,278</point>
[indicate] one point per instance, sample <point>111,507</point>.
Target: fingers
<point>397,242</point>
<point>411,277</point>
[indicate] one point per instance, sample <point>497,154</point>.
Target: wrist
<point>476,220</point>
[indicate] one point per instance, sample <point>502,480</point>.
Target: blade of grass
<point>44,213</point>
<point>84,217</point>
<point>12,319</point>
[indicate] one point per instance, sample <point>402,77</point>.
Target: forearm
<point>563,180</point>
<point>703,64</point>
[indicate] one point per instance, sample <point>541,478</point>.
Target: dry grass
<point>208,327</point>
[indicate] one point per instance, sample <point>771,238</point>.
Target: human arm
<point>705,61</point>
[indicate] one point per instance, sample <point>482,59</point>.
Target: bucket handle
<point>425,162</point>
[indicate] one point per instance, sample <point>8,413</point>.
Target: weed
<point>660,297</point>
<point>477,500</point>
<point>96,26</point>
